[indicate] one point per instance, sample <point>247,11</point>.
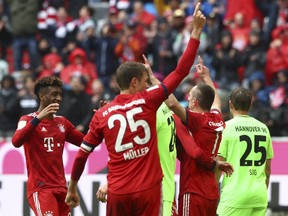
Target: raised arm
<point>171,102</point>
<point>204,74</point>
<point>185,63</point>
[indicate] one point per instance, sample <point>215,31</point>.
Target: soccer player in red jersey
<point>198,188</point>
<point>128,125</point>
<point>43,135</point>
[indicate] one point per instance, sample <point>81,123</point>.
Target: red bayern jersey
<point>207,131</point>
<point>43,146</point>
<point>128,125</point>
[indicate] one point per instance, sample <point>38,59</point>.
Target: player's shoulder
<point>256,121</point>
<point>248,120</point>
<point>152,88</point>
<point>230,121</point>
<point>29,116</point>
<point>229,124</point>
<point>60,118</point>
<point>215,111</point>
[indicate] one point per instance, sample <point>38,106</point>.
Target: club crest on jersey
<point>61,128</point>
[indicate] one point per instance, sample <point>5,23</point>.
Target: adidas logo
<point>43,129</point>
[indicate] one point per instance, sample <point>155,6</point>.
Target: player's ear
<point>195,102</point>
<point>231,105</point>
<point>41,94</point>
<point>133,82</point>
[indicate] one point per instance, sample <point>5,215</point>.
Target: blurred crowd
<point>244,43</point>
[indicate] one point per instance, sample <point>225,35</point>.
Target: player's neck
<point>197,110</point>
<point>128,91</point>
<point>239,113</point>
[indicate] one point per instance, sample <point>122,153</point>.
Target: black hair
<point>46,82</point>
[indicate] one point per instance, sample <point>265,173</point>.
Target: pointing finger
<point>145,59</point>
<point>197,8</point>
<point>200,60</point>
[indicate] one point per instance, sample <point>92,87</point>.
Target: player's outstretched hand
<point>102,103</point>
<point>225,167</point>
<point>153,79</point>
<point>202,70</point>
<point>72,199</point>
<point>101,193</point>
<point>198,22</point>
<point>147,65</point>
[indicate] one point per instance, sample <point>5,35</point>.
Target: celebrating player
<point>43,135</point>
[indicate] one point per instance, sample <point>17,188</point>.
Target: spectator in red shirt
<point>141,16</point>
<point>247,7</point>
<point>81,66</point>
<point>131,44</point>
<point>52,65</point>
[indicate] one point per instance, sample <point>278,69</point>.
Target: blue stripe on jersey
<point>165,90</point>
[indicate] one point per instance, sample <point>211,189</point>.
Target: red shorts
<point>192,204</point>
<point>47,201</point>
<point>141,203</point>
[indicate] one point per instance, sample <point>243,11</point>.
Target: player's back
<point>206,129</point>
<point>128,125</point>
<point>246,144</point>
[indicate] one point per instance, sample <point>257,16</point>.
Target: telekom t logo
<point>48,143</point>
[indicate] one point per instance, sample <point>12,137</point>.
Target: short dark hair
<point>205,95</point>
<point>241,99</point>
<point>127,71</point>
<point>45,82</point>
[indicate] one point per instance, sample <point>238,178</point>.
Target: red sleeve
<point>73,136</point>
<point>183,68</point>
<point>189,145</point>
<point>23,131</point>
<point>79,164</point>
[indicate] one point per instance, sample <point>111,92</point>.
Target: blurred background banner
<point>13,179</point>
